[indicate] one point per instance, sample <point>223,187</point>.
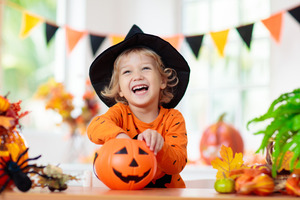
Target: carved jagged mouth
<point>126,179</point>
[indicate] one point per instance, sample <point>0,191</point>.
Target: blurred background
<point>48,46</point>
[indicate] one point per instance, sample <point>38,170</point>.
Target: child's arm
<point>172,158</point>
<point>123,135</point>
<point>105,127</point>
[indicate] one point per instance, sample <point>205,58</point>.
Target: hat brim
<point>102,67</point>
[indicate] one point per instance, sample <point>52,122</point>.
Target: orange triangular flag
<point>29,21</point>
<point>72,38</point>
<point>220,40</point>
<point>274,24</point>
<point>115,39</point>
<point>175,41</point>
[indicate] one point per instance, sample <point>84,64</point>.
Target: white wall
<point>285,56</point>
<point>116,17</point>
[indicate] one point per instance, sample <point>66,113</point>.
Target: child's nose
<point>138,75</point>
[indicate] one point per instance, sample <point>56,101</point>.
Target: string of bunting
<point>73,36</point>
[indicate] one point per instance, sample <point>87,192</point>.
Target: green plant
<point>283,130</point>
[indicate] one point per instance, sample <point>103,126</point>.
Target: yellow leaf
<point>14,150</point>
<point>227,163</point>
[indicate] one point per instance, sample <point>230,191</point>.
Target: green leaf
<point>284,128</point>
<point>296,123</point>
<point>281,138</point>
<point>271,130</point>
<point>282,98</point>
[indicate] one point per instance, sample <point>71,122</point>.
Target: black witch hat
<point>102,67</point>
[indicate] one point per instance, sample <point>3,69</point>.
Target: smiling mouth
<point>126,179</point>
<point>140,88</point>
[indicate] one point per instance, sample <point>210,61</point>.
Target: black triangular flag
<point>96,42</point>
<point>195,43</point>
<point>246,33</point>
<point>50,31</point>
<point>295,12</point>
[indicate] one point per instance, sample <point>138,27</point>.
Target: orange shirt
<point>171,159</point>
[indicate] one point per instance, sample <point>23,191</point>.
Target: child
<point>142,79</point>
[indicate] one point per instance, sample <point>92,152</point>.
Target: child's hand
<point>153,140</point>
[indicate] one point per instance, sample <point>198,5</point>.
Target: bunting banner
<point>115,39</point>
<point>195,43</point>
<point>96,42</point>
<point>50,31</point>
<point>175,41</point>
<point>72,37</point>
<point>273,24</point>
<point>295,13</point>
<point>220,39</point>
<point>29,21</point>
<point>246,33</point>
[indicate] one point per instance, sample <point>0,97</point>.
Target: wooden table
<point>203,192</point>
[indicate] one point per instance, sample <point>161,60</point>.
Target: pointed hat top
<point>134,30</point>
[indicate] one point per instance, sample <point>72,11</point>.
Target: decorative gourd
<point>261,184</point>
<point>4,104</point>
<point>125,164</point>
<point>215,136</point>
<point>292,185</point>
<point>11,144</point>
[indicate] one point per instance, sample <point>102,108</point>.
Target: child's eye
<point>147,68</point>
<point>126,72</point>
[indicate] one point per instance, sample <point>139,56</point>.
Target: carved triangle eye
<point>142,152</point>
<point>122,151</point>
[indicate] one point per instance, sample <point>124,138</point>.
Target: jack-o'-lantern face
<point>125,164</point>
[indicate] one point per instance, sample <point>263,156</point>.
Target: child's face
<point>139,79</point>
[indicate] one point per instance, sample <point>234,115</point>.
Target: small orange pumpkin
<point>254,180</point>
<point>4,104</point>
<point>215,136</point>
<point>292,185</point>
<point>125,164</point>
<point>261,184</point>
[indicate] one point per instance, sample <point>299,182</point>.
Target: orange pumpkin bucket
<point>125,164</point>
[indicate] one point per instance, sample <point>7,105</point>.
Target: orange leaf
<point>286,162</point>
<point>7,122</point>
<point>227,163</point>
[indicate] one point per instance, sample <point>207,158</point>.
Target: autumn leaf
<point>7,122</point>
<point>286,161</point>
<point>227,163</point>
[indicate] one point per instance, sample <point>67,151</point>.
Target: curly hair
<point>169,74</point>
